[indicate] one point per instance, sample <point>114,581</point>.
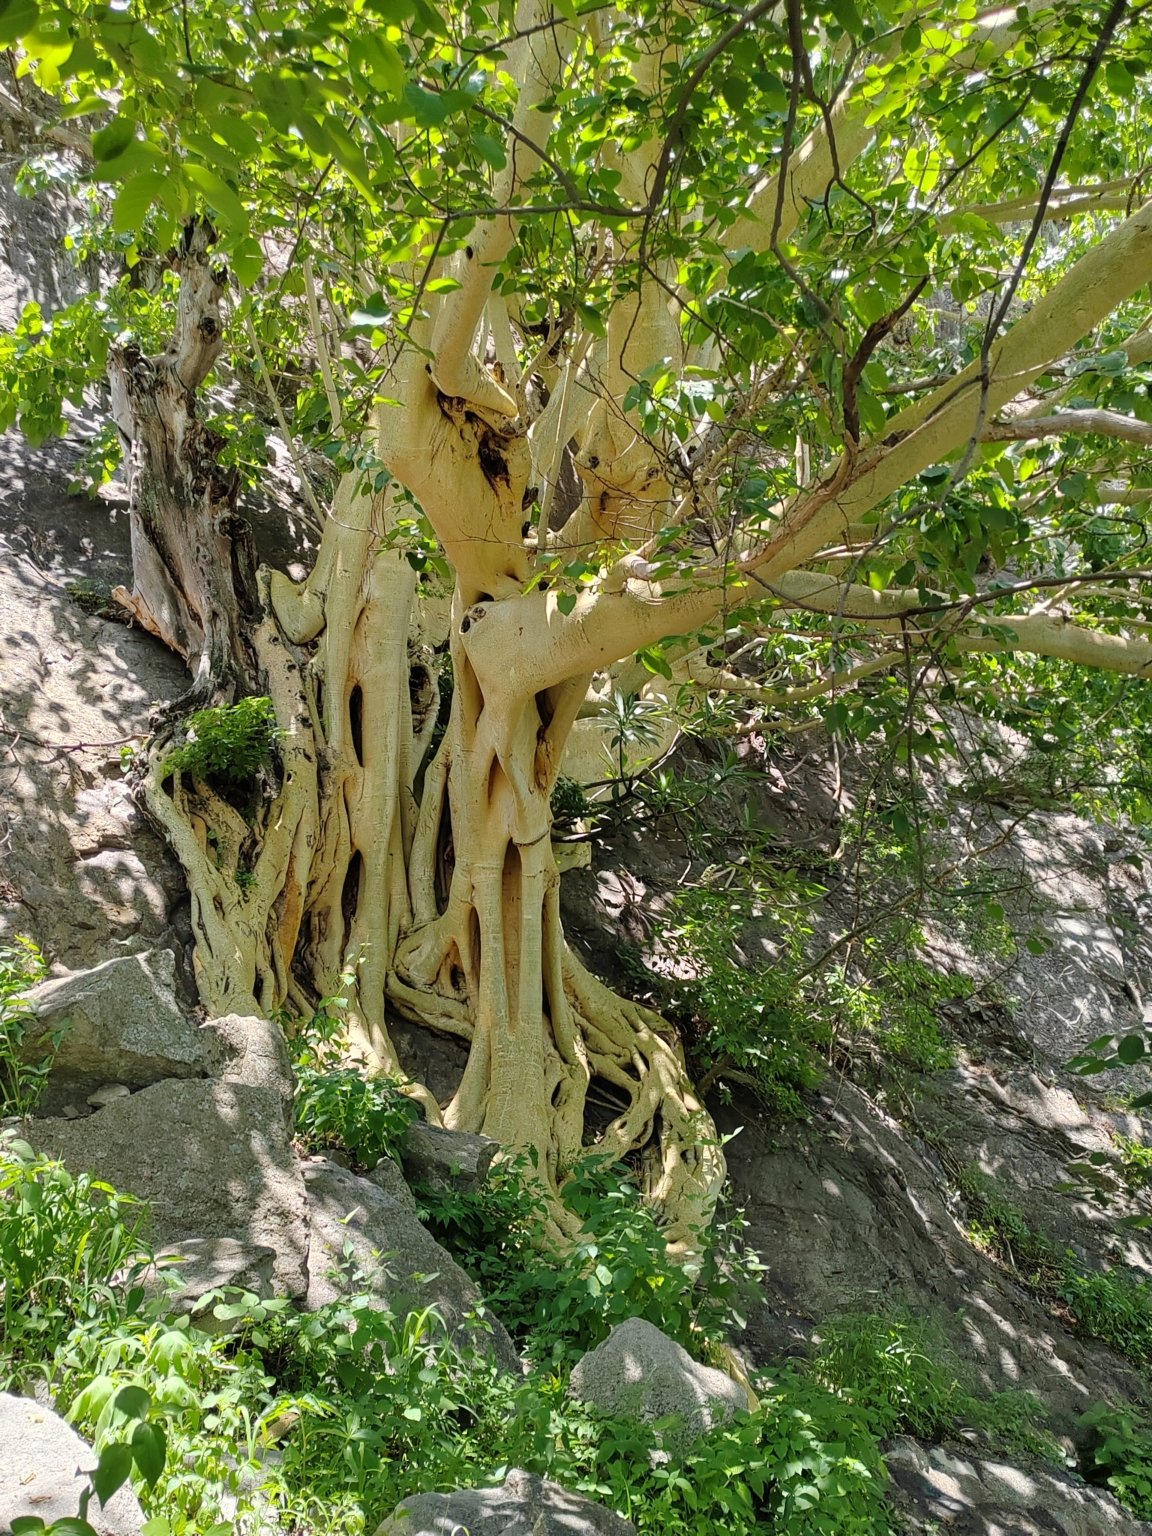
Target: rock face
<point>43,1471</point>
<point>441,1160</point>
<point>124,1025</point>
<point>356,1222</point>
<point>640,1373</point>
<point>935,1490</point>
<point>526,1506</point>
<point>204,1264</point>
<point>852,1207</point>
<point>83,872</point>
<point>252,1051</point>
<point>213,1159</point>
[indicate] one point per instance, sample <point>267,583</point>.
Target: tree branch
<point>535,60</point>
<point>1086,422</point>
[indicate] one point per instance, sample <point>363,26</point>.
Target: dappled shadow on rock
<point>936,1489</point>
<point>83,873</point>
<point>212,1159</point>
<point>851,1212</point>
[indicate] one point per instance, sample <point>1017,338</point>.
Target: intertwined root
<point>592,1036</point>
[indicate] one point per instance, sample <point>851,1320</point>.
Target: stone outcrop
<point>185,1273</point>
<point>252,1051</point>
<point>119,1022</point>
<point>359,1226</point>
<point>212,1159</point>
<point>936,1490</point>
<point>525,1506</point>
<point>44,1467</point>
<point>640,1373</point>
<point>436,1159</point>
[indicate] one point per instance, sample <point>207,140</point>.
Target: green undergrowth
<point>321,1422</point>
<point>1119,1455</point>
<point>227,745</point>
<point>317,1424</point>
<point>26,1053</point>
<point>557,1307</point>
<point>775,1025</point>
<point>903,1378</point>
<point>1113,1305</point>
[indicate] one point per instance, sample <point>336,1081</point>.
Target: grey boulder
<point>640,1373</point>
<point>212,1159</point>
<point>121,1022</point>
<point>935,1489</point>
<point>367,1238</point>
<point>252,1051</point>
<point>44,1467</point>
<point>186,1272</point>
<point>527,1505</point>
<point>436,1159</point>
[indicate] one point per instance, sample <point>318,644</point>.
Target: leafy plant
<point>1114,1306</point>
<point>569,803</point>
<point>26,1053</point>
<point>896,1375</point>
<point>70,1249</point>
<point>618,1266</point>
<point>337,1107</point>
<point>903,1378</point>
<point>1121,1455</point>
<point>230,743</point>
<point>144,1450</point>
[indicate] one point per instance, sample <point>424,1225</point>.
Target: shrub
<point>897,1377</point>
<point>70,1250</point>
<point>24,1068</point>
<point>619,1267</point>
<point>1114,1306</point>
<point>229,744</point>
<point>1120,1456</point>
<point>337,1107</point>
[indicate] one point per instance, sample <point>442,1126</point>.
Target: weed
<point>26,1053</point>
<point>70,1250</point>
<point>336,1106</point>
<point>569,803</point>
<point>1121,1456</point>
<point>898,1378</point>
<point>998,1229</point>
<point>618,1267</point>
<point>229,744</point>
<point>1114,1306</point>
<point>904,1379</point>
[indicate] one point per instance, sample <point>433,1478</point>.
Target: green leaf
<point>1131,1050</point>
<point>17,17</point>
<point>27,1525</point>
<point>149,1450</point>
<point>113,1470</point>
<point>113,140</point>
<point>247,260</point>
<point>429,108</point>
<point>134,199</point>
<point>565,601</point>
<point>132,1403</point>
<point>490,150</point>
<point>736,89</point>
<point>591,319</point>
<point>222,198</point>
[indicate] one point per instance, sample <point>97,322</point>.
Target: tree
<point>784,286</point>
